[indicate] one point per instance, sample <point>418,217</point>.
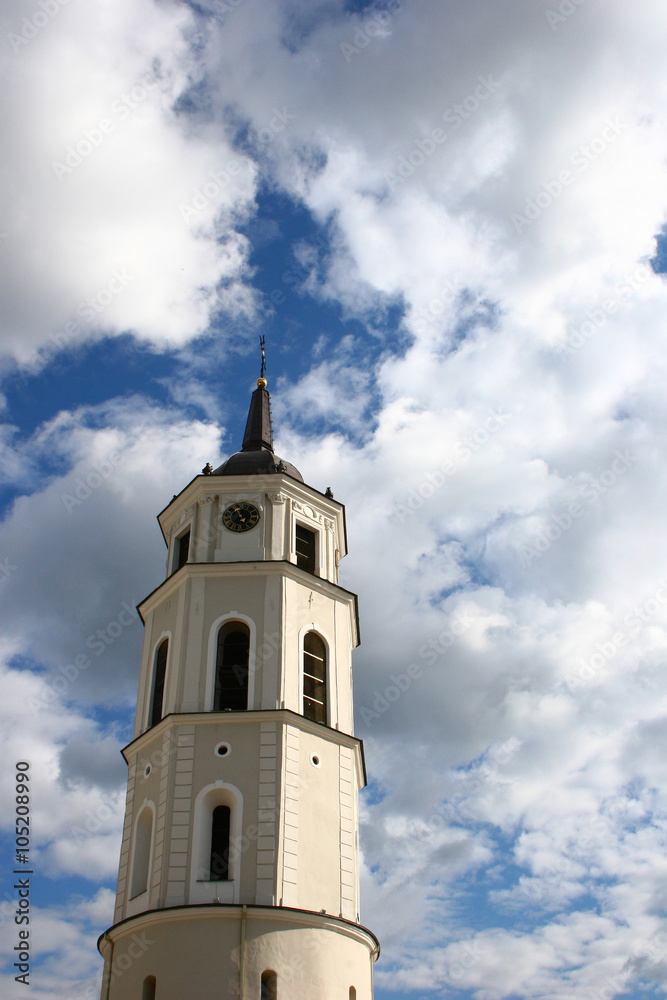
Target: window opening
<point>269,986</point>
<point>219,868</point>
<point>158,683</point>
<point>183,550</point>
<point>305,548</point>
<point>231,668</point>
<point>353,993</point>
<point>314,678</point>
<point>148,991</point>
<point>142,852</point>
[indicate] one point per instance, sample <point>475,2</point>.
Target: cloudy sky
<point>446,218</point>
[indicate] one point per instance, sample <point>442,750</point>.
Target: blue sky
<point>448,221</point>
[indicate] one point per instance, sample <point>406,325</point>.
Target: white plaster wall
<point>197,953</point>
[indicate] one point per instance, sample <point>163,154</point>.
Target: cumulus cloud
<point>499,176</point>
<point>119,458</point>
<point>116,214</point>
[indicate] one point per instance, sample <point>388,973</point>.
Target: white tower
<point>238,874</point>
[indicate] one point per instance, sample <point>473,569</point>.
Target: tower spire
<point>256,456</point>
<point>258,434</point>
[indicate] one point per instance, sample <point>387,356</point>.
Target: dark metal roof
<point>256,455</point>
<point>258,430</point>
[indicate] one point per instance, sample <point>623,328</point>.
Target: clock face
<point>240,516</point>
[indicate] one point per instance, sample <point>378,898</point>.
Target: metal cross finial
<point>261,345</point>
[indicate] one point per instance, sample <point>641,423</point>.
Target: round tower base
<point>225,951</point>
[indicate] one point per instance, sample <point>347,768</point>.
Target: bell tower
<point>238,874</point>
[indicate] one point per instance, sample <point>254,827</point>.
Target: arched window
<point>231,668</point>
<point>219,871</point>
<point>314,678</point>
<point>148,992</point>
<point>353,993</point>
<point>269,986</point>
<point>216,836</point>
<point>158,681</point>
<point>143,835</point>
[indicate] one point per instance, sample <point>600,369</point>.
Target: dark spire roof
<point>258,430</point>
<point>256,456</point>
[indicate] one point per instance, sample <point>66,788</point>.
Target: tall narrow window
<point>182,550</point>
<point>269,986</point>
<point>148,992</point>
<point>314,678</point>
<point>158,682</point>
<point>353,993</point>
<point>231,668</point>
<point>143,836</point>
<point>220,844</point>
<point>305,548</point>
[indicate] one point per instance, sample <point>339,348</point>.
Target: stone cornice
<point>250,568</point>
<point>285,715</point>
<point>231,911</point>
<point>204,486</point>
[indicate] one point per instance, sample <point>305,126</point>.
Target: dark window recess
<point>148,991</point>
<point>231,668</point>
<point>314,678</point>
<point>183,550</point>
<point>158,683</point>
<point>220,844</point>
<point>305,549</point>
<point>142,852</point>
<point>269,986</point>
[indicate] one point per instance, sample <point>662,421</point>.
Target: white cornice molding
<point>289,916</point>
<point>277,488</point>
<point>284,715</point>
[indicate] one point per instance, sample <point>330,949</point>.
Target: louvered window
<point>314,678</point>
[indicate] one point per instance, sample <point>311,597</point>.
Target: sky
<point>448,221</point>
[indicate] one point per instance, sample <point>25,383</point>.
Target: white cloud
<point>117,215</point>
<point>122,458</point>
<point>527,749</point>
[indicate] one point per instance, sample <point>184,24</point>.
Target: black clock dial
<point>240,516</point>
